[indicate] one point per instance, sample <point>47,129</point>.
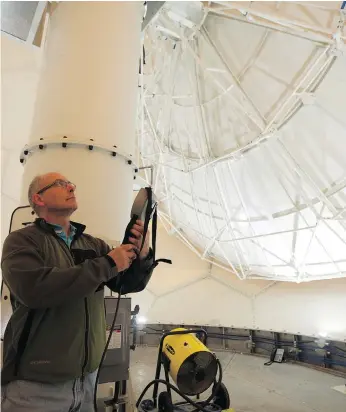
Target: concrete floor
<point>254,387</point>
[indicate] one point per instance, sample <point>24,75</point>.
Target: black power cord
<point>125,241</point>
<point>105,351</point>
<point>150,212</point>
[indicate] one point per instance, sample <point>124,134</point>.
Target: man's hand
<point>136,240</point>
<point>123,256</point>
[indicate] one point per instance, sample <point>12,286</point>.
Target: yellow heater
<point>192,366</point>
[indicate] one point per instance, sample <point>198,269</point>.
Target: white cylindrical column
<point>87,96</point>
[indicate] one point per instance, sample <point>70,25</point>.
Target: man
<point>56,274</point>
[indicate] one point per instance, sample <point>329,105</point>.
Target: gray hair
<point>34,187</point>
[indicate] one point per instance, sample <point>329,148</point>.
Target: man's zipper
<point>66,247</point>
<point>86,336</point>
<point>86,333</point>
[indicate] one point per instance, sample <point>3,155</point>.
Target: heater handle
<point>183,332</point>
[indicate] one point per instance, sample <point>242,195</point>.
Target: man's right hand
<point>123,256</point>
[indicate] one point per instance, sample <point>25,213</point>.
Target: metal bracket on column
<point>65,142</point>
<point>151,167</point>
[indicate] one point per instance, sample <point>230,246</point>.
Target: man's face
<point>59,197</point>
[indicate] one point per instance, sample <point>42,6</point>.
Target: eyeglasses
<point>57,183</point>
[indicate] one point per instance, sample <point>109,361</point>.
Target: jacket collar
<point>40,222</point>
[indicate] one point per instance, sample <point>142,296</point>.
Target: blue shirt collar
<point>60,232</point>
<point>58,229</point>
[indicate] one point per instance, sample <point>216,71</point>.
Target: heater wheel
<point>222,397</point>
<point>165,402</point>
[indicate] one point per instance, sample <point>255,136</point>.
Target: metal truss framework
<point>272,15</point>
<point>315,209</point>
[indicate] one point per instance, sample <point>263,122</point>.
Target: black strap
<point>148,215</point>
<point>23,339</point>
<point>164,261</point>
<point>154,228</point>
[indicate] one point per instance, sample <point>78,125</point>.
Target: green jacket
<point>57,330</point>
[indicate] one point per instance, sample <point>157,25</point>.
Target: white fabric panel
<point>192,291</point>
